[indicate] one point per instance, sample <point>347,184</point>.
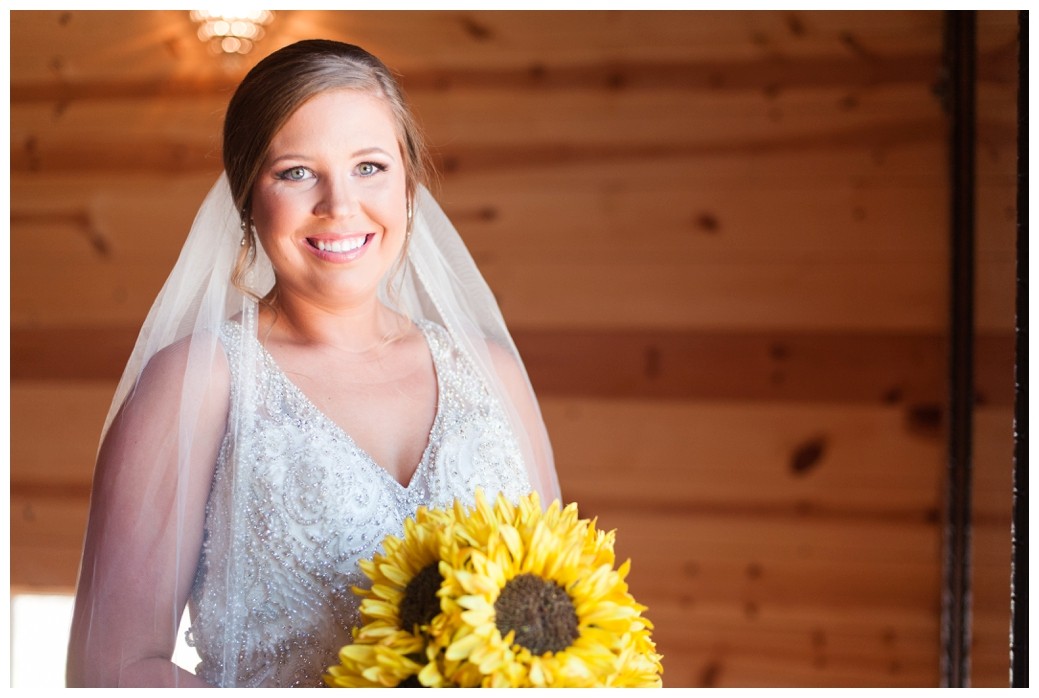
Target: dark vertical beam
<point>1019,532</point>
<point>956,599</point>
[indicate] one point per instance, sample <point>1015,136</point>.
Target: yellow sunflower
<point>532,599</point>
<point>401,610</point>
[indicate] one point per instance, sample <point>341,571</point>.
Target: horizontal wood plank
<point>605,219</point>
<point>771,460</point>
<point>412,41</point>
<point>55,429</point>
<point>602,218</point>
<point>843,294</point>
<point>721,645</point>
<point>833,292</point>
<point>36,151</point>
<point>759,74</point>
<point>504,40</point>
<point>888,369</point>
<point>791,461</point>
<point>847,294</point>
<point>525,222</point>
<point>787,460</point>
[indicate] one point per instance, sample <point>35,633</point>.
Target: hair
<point>279,85</point>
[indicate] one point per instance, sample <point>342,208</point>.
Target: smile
<point>347,245</point>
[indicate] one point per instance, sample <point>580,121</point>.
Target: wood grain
<point>878,368</point>
<point>720,241</point>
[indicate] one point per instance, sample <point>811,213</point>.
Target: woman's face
<point>329,204</point>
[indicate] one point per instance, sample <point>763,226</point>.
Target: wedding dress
<point>314,505</point>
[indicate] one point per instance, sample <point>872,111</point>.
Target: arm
<point>144,533</point>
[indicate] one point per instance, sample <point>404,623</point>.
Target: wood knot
<point>892,396</point>
<point>707,222</point>
<point>794,24</point>
<point>710,674</point>
<point>848,102</point>
<point>925,419</point>
<point>476,30</point>
<point>808,455</point>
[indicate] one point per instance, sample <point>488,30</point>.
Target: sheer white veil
<point>438,281</point>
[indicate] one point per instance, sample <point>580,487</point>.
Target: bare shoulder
<point>193,371</point>
<point>193,361</point>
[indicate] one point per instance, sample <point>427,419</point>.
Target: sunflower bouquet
<point>500,595</point>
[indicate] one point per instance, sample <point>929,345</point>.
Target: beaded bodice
<point>295,505</point>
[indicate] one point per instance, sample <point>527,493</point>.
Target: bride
<point>324,359</point>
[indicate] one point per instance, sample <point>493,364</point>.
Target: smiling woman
<point>324,359</point>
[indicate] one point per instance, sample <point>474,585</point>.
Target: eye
<point>296,174</point>
<point>367,169</point>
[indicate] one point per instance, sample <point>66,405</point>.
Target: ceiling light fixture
<point>231,31</point>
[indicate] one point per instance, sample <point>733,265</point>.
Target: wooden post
<point>1019,561</point>
<point>956,597</point>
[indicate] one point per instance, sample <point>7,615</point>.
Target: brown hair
<point>272,92</point>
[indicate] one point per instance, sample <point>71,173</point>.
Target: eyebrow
<point>356,154</point>
<point>369,151</point>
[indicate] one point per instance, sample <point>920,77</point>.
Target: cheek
<point>271,211</point>
<point>396,220</point>
<point>260,211</point>
<point>397,206</point>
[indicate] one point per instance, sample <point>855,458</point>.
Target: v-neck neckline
<point>336,428</point>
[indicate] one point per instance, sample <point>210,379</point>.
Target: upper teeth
<point>340,245</point>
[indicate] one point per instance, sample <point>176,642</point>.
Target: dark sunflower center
<point>411,682</point>
<point>420,603</point>
<point>540,611</point>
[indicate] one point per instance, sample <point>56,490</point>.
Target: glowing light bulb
<point>231,31</point>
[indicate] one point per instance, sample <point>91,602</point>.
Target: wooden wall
<point>720,239</point>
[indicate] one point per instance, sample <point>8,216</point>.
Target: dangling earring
<point>411,213</point>
<point>245,233</point>
<point>248,229</point>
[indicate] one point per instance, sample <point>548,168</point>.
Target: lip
<point>310,243</point>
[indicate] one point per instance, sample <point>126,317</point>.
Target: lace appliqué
<point>296,505</point>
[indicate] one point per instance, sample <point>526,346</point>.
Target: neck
<point>356,327</point>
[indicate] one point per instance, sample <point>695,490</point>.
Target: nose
<point>337,199</point>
